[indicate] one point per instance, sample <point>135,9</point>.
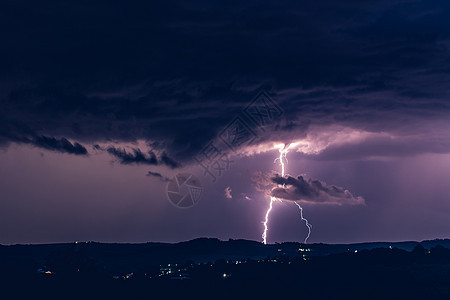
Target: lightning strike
<point>283,152</point>
<point>283,149</point>
<point>306,222</point>
<point>264,235</point>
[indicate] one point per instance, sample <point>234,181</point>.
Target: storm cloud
<point>59,145</point>
<point>368,65</point>
<point>312,191</point>
<point>138,157</point>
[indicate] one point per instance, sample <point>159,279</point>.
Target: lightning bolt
<point>283,152</point>
<point>266,227</point>
<point>306,222</point>
<point>283,149</point>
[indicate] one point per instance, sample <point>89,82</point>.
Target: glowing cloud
<point>228,191</point>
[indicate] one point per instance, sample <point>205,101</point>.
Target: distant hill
<point>127,257</point>
<point>208,268</point>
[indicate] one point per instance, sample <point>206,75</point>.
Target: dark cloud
<point>176,73</point>
<point>312,191</point>
<point>14,132</point>
<point>138,157</point>
<point>157,175</point>
<point>60,145</point>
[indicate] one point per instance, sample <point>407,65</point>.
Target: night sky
<point>103,102</point>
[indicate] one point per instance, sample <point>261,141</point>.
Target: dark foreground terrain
<point>236,269</point>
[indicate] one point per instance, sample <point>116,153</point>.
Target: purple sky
<point>93,97</point>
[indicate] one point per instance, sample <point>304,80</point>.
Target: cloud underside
<point>312,191</point>
<point>385,73</point>
<point>61,145</point>
<point>138,157</point>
